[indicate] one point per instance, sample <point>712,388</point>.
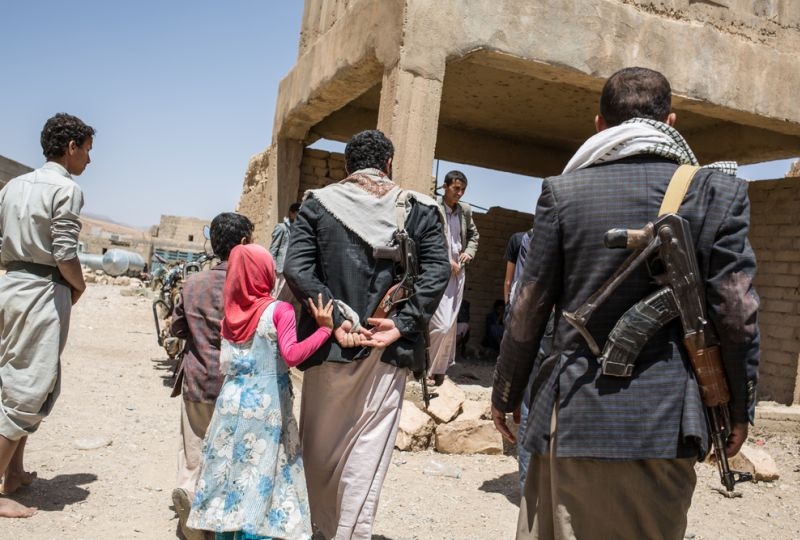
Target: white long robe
<point>39,223</point>
<point>443,323</point>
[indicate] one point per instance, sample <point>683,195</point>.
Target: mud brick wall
<point>319,168</point>
<point>775,236</point>
<point>485,275</point>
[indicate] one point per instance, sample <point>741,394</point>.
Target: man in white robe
<point>39,226</point>
<point>462,237</point>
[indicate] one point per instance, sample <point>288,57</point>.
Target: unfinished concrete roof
<point>520,80</point>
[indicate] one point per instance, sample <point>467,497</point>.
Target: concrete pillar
<point>285,175</point>
<point>271,184</point>
<point>409,115</point>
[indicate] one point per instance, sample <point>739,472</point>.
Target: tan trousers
<point>195,418</point>
<point>591,499</point>
<point>348,425</point>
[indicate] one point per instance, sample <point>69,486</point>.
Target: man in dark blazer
<point>614,457</point>
<point>353,386</point>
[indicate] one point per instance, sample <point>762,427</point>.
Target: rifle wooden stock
<point>395,295</point>
<point>710,375</point>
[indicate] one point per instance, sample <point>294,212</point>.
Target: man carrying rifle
<point>613,456</point>
<point>353,386</point>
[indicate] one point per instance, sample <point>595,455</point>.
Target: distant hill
<point>93,224</point>
<point>105,220</point>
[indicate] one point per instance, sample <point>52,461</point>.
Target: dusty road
<point>106,457</point>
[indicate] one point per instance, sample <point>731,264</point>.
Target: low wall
<point>775,236</point>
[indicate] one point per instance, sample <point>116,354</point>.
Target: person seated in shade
<point>494,326</point>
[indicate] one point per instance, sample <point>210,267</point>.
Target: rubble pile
<point>452,424</point>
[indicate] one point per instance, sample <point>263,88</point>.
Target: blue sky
<point>181,94</point>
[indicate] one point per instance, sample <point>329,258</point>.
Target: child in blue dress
<point>252,483</point>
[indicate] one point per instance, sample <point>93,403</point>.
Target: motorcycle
<point>168,281</point>
<point>169,284</point>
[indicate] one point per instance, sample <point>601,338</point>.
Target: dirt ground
<point>106,456</point>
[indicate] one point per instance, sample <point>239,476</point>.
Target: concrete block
<point>315,162</point>
<point>314,153</point>
<point>447,404</point>
<point>475,410</point>
<point>415,430</point>
<point>757,462</point>
<point>468,437</point>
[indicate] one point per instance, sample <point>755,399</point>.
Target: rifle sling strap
<point>676,191</point>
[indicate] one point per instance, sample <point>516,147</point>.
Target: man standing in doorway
<point>278,247</point>
<point>462,242</point>
<point>352,394</point>
<point>613,457</point>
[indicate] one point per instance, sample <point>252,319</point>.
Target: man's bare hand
<point>463,259</point>
<point>736,439</point>
<point>384,333</point>
<point>499,419</point>
<point>455,268</point>
<point>347,338</point>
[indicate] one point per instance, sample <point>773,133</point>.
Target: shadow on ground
<point>167,368</point>
<point>477,370</point>
<point>54,494</point>
<point>506,485</point>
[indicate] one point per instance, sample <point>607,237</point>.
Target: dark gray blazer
<point>326,257</point>
<point>658,412</point>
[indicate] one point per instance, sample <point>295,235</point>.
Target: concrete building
<point>99,235</point>
<point>514,86</point>
<point>11,169</point>
<point>177,237</point>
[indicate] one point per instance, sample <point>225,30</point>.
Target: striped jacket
<point>657,413</point>
<point>197,319</point>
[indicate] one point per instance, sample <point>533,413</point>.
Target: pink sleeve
<point>294,352</point>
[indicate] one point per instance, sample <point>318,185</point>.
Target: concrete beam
<point>502,154</point>
<point>727,58</point>
<point>345,61</point>
<point>409,116</point>
<point>727,141</point>
<point>343,124</point>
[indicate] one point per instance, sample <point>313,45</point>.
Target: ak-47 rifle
<point>666,244</point>
<point>403,251</point>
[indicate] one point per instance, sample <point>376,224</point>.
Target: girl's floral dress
<point>252,477</point>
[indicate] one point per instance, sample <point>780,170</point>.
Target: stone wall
<point>180,234</point>
<point>485,275</point>
<point>255,202</point>
<point>319,168</point>
<point>775,236</point>
<point>98,236</point>
<point>182,230</point>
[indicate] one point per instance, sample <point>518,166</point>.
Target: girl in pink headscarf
<point>252,483</point>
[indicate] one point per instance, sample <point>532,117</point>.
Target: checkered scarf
<point>639,136</point>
